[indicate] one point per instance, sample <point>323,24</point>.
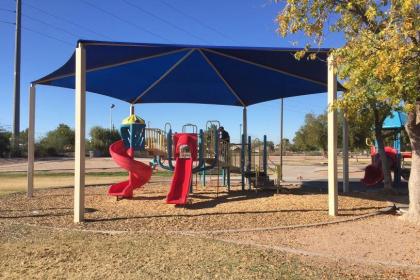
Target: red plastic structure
<point>406,154</point>
<point>181,180</point>
<point>373,172</point>
<point>138,173</point>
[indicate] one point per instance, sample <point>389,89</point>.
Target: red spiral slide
<point>138,173</point>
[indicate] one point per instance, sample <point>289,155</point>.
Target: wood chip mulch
<point>211,209</point>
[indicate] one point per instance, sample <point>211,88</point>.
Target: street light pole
<point>16,94</point>
<point>111,125</point>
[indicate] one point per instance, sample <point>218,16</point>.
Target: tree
<point>379,63</point>
<point>23,142</point>
<point>258,143</point>
<point>102,138</point>
<point>270,146</point>
<point>312,135</point>
<point>5,145</point>
<point>287,146</point>
<point>5,142</point>
<point>314,132</point>
<point>359,129</point>
<point>57,141</point>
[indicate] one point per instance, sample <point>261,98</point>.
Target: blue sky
<point>217,22</point>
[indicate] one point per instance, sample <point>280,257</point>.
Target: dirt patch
<point>383,239</point>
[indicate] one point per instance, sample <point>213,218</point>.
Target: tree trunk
<point>413,130</point>
<point>384,159</point>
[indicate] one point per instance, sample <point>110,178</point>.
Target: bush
<point>101,139</point>
<point>5,142</point>
<point>57,142</point>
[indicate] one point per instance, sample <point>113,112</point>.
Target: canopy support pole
<point>332,140</point>
<point>346,186</point>
<point>31,142</point>
<point>244,147</point>
<point>244,123</point>
<point>281,142</point>
<point>80,117</point>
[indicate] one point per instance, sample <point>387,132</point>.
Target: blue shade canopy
<point>158,73</point>
<point>396,120</point>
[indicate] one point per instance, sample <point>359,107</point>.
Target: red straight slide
<point>373,172</point>
<point>180,186</point>
<point>138,173</point>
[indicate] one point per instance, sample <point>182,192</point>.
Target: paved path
<point>293,170</point>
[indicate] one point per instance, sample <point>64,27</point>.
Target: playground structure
<point>197,152</point>
<point>373,172</point>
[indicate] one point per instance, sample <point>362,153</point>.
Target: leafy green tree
<point>23,142</point>
<point>379,63</point>
<point>359,130</point>
<point>101,139</point>
<point>257,143</point>
<point>5,142</point>
<point>313,134</point>
<point>270,145</point>
<point>57,142</point>
<point>6,148</point>
<point>287,145</point>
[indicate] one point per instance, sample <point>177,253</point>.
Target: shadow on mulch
<point>159,197</point>
<point>232,196</point>
<point>226,198</point>
<point>211,201</point>
<point>204,214</point>
<point>69,211</point>
<point>37,216</point>
<point>357,189</point>
<point>44,209</point>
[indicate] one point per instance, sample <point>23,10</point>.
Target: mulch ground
<point>211,209</point>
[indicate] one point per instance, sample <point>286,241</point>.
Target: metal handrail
<point>195,129</point>
<point>210,123</point>
<point>170,127</point>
